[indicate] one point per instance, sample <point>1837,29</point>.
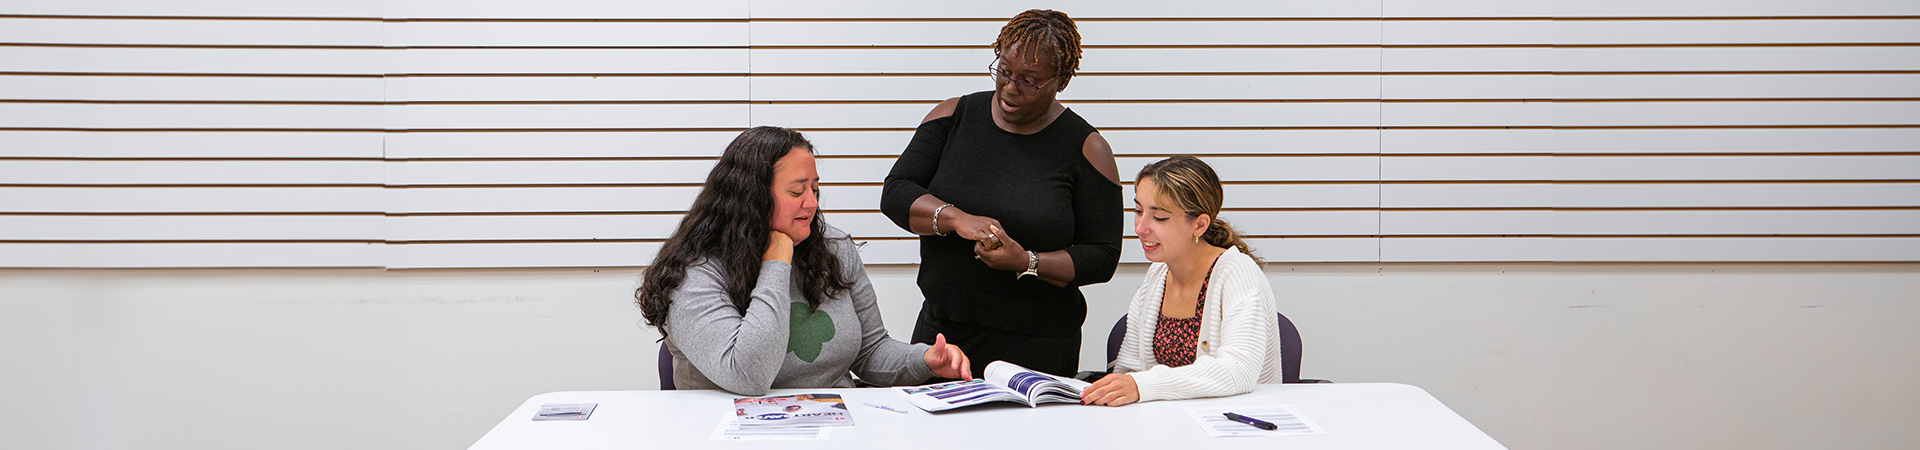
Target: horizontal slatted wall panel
<point>530,135</point>
<point>138,134</point>
<point>432,133</point>
<point>1651,131</point>
<point>1281,98</point>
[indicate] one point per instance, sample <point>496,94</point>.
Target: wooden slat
<point>1080,9</point>
<point>190,89</point>
<point>1730,141</point>
<point>1649,249</point>
<point>1736,249</point>
<point>1297,223</point>
<point>1471,60</point>
<point>1761,32</point>
<point>569,61</point>
<point>1230,142</point>
<point>1093,33</point>
<point>1735,86</point>
<point>1482,141</point>
<point>433,200</point>
<point>557,144</point>
<point>192,228</point>
<point>201,8</point>
<point>1138,142</point>
<point>566,34</point>
<point>1471,114</point>
<point>191,116</point>
<point>1736,8</point>
<point>1467,8</point>
<point>1739,114</point>
<point>564,9</point>
<point>503,173</point>
<point>1651,114</point>
<point>191,199</point>
<point>253,33</point>
<point>1734,59</point>
<point>1093,61</point>
<point>68,172</point>
<point>862,198</point>
<point>587,227</point>
<point>1467,250</point>
<point>1644,223</point>
<point>1079,90</point>
<point>564,116</point>
<point>1647,195</point>
<point>1273,168</point>
<point>364,62</point>
<point>1456,87</point>
<point>471,255</point>
<point>566,89</point>
<point>1338,249</point>
<point>1289,196</point>
<point>1113,115</point>
<point>1660,168</point>
<point>1615,141</point>
<point>1469,32</point>
<point>81,144</point>
<point>162,255</point>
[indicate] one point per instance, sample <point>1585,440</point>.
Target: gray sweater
<point>779,342</point>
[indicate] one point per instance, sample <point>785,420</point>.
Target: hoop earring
<point>1196,239</point>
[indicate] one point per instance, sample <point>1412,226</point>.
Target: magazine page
<point>1034,387</point>
<point>950,395</point>
<point>800,410</point>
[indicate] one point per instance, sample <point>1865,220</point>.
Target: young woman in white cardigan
<point>1203,324</point>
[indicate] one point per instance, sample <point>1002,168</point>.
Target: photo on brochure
<point>799,410</point>
<point>1004,382</point>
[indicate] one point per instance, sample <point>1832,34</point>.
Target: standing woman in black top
<point>1017,203</point>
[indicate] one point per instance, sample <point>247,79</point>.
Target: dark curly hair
<point>1038,28</point>
<point>728,226</point>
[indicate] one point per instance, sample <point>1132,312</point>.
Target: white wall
<point>1540,356</point>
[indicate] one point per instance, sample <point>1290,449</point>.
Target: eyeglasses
<point>1001,75</point>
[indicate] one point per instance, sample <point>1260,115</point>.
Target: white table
<point>1354,415</point>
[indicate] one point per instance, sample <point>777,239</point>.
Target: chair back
<point>666,368</point>
<point>1289,347</point>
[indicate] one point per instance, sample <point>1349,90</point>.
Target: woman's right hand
<point>982,229</point>
<point>779,248</point>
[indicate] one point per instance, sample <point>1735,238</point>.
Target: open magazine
<point>801,410</point>
<point>1004,382</point>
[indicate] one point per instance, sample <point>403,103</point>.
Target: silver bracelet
<point>936,218</point>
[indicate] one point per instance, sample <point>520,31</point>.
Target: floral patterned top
<point>1174,339</point>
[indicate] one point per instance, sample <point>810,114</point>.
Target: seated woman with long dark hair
<point>755,292</point>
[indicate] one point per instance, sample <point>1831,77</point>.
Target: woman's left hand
<point>1010,256</point>
<point>1113,390</point>
<point>947,361</point>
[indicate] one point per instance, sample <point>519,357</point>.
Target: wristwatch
<point>1033,266</point>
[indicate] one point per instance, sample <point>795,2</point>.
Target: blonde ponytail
<point>1220,234</point>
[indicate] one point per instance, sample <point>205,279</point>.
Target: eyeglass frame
<point>994,70</point>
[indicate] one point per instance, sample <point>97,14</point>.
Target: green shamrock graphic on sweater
<point>807,331</point>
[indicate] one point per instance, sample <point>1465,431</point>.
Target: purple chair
<point>666,368</point>
<point>1289,349</point>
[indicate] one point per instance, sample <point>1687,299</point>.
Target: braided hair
<point>1036,28</point>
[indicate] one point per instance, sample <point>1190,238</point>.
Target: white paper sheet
<point>1288,419</point>
<point>729,430</point>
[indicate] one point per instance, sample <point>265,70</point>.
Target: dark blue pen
<point>1256,423</point>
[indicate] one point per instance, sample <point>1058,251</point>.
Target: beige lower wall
<point>1540,356</point>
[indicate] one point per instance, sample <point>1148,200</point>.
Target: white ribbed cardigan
<point>1239,335</point>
